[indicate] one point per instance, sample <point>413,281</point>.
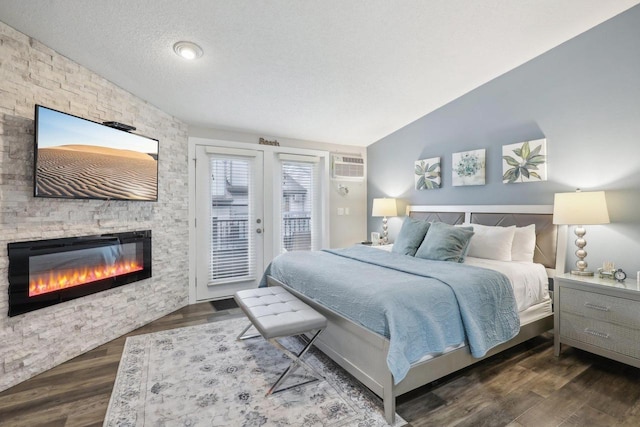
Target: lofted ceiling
<point>338,71</point>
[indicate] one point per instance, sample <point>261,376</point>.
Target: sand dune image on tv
<point>95,172</point>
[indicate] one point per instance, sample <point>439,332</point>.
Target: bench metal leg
<point>295,361</point>
<point>244,331</point>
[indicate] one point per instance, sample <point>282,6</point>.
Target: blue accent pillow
<point>445,242</point>
<point>411,235</point>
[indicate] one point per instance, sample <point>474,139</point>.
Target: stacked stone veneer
<point>31,73</point>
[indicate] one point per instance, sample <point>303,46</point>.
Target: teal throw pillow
<point>445,242</point>
<point>411,235</point>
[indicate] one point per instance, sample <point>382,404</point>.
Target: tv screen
<point>76,158</point>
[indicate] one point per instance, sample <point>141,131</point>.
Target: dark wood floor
<point>524,386</point>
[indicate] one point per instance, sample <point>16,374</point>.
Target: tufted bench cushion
<point>276,313</point>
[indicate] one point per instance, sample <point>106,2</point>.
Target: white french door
<point>250,203</point>
<point>229,220</point>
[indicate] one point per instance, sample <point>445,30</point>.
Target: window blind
<point>232,214</point>
<point>300,203</point>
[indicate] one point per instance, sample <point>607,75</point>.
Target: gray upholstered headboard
<point>518,215</point>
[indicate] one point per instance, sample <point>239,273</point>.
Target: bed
<point>365,353</point>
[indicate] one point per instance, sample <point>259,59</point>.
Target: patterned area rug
<point>202,376</point>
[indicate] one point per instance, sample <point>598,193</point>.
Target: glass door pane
<point>229,205</point>
<point>232,245</point>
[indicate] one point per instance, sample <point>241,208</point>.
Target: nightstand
<point>601,316</point>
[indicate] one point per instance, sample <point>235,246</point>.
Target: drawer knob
<point>596,306</point>
<point>596,333</point>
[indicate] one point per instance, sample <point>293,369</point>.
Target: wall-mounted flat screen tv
<point>76,158</point>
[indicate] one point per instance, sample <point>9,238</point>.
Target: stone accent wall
<point>31,73</point>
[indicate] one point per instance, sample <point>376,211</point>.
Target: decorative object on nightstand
<point>384,207</point>
<point>580,208</point>
<point>375,238</point>
<point>607,270</point>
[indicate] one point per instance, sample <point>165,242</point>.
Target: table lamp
<point>384,207</point>
<point>580,208</point>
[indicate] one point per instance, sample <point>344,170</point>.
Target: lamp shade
<point>384,207</point>
<point>580,208</point>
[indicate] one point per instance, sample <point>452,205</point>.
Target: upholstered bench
<point>276,313</point>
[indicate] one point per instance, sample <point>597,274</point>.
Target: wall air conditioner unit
<point>347,167</point>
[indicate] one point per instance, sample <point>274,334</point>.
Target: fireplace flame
<point>67,278</point>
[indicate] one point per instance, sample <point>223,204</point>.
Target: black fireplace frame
<point>19,253</point>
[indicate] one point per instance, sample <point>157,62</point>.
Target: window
<point>300,203</point>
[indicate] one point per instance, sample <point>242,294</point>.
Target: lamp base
<point>582,273</point>
<point>385,232</point>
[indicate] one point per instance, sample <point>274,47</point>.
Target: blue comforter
<point>422,306</point>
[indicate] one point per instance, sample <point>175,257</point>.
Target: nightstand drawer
<point>602,334</point>
<point>602,307</point>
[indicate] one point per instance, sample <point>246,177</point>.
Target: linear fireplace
<point>48,272</point>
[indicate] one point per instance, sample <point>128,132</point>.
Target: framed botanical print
<point>468,167</point>
<point>524,162</point>
<point>427,174</point>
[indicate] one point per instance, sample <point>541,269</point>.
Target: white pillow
<point>524,243</point>
<point>491,242</point>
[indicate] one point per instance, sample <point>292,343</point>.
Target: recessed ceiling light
<point>187,50</point>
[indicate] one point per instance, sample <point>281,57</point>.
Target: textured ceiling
<point>340,71</point>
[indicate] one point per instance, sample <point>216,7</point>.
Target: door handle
<point>258,230</point>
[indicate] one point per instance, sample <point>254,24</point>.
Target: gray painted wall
<point>583,96</point>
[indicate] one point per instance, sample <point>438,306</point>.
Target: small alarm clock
<point>619,275</point>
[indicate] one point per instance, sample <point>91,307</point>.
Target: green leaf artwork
<point>427,174</point>
<point>524,162</point>
<point>468,167</point>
